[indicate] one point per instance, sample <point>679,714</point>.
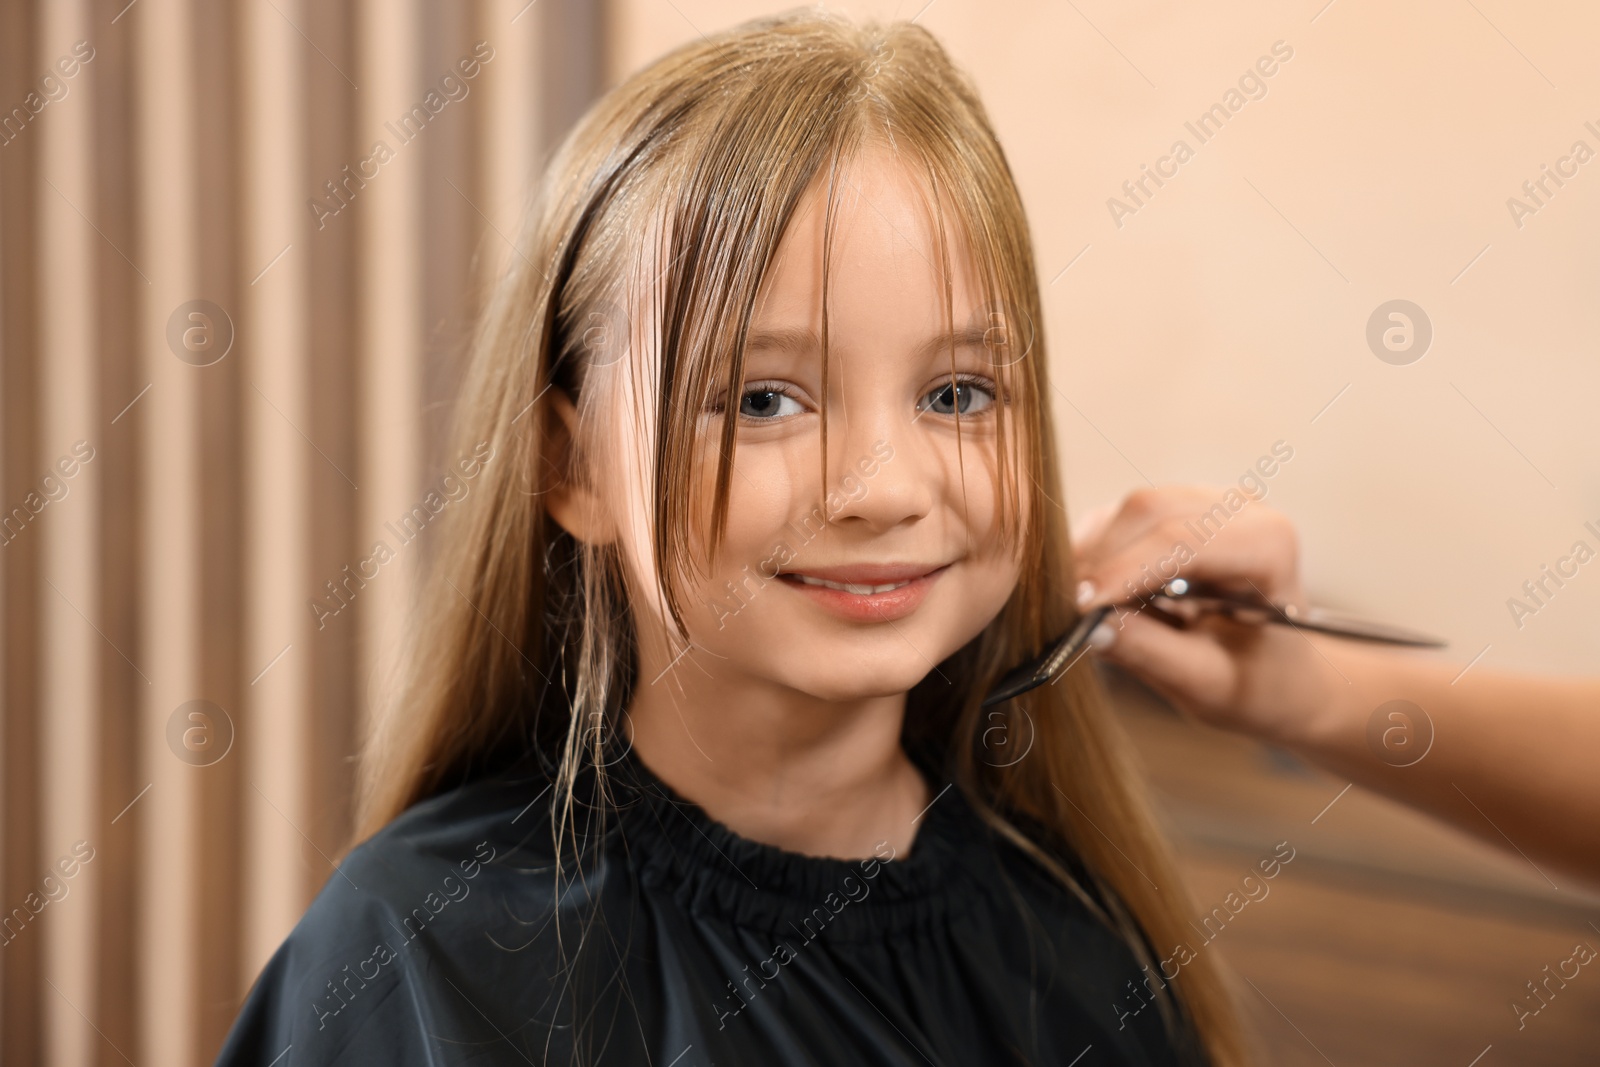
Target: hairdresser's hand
<point>1526,776</point>
<point>1264,680</point>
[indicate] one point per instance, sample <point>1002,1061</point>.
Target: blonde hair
<point>524,642</point>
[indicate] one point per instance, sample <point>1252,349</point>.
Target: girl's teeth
<point>851,587</point>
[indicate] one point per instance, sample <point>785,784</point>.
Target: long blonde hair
<point>524,642</point>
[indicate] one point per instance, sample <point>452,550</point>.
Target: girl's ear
<point>572,501</point>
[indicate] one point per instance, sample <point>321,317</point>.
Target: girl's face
<point>856,585</point>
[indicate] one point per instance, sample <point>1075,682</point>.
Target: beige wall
<point>1228,311</point>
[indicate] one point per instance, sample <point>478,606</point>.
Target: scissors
<point>1182,602</point>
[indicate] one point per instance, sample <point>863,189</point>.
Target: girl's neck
<point>814,776</point>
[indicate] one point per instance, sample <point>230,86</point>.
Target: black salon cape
<point>687,946</point>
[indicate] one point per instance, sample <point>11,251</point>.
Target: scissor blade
<point>1331,622</point>
<point>1055,659</point>
<point>1321,620</point>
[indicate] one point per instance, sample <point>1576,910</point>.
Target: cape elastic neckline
<point>714,871</point>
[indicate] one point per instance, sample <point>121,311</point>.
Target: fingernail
<point>1085,593</point>
<point>1102,637</point>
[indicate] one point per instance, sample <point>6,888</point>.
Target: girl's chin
<point>883,680</point>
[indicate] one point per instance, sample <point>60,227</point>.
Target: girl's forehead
<point>884,251</point>
<point>894,260</point>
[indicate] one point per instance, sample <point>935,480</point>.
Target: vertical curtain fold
<point>228,339</point>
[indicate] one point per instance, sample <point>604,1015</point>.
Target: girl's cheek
<point>972,484</point>
<point>765,489</point>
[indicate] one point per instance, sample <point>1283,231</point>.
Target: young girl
<point>692,767</point>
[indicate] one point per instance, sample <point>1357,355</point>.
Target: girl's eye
<point>766,403</point>
<point>962,396</point>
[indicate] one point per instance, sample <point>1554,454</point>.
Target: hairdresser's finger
<point>1189,668</point>
<point>1134,516</point>
<point>1261,680</point>
<point>1256,548</point>
<point>1087,530</point>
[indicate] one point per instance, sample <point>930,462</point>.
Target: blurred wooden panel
<point>1385,976</point>
<point>222,394</point>
<point>274,718</point>
<point>120,422</point>
<point>69,758</point>
<point>181,163</point>
<point>169,867</point>
<point>21,959</point>
<point>1389,938</point>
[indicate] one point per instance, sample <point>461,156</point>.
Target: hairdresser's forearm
<point>1514,759</point>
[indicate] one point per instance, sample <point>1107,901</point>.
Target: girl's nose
<point>883,479</point>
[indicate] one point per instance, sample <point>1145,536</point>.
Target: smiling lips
<point>867,593</point>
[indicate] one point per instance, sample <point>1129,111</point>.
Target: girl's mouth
<point>851,587</point>
<point>867,593</point>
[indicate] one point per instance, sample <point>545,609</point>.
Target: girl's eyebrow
<point>796,339</point>
<point>800,340</point>
<point>967,337</point>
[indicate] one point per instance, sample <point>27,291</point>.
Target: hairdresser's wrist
<point>1355,679</point>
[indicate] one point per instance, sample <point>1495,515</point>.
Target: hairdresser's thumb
<point>1189,669</point>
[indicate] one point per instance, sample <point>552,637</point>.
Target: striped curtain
<point>240,246</point>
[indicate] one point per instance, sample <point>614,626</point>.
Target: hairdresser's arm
<point>1515,759</point>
